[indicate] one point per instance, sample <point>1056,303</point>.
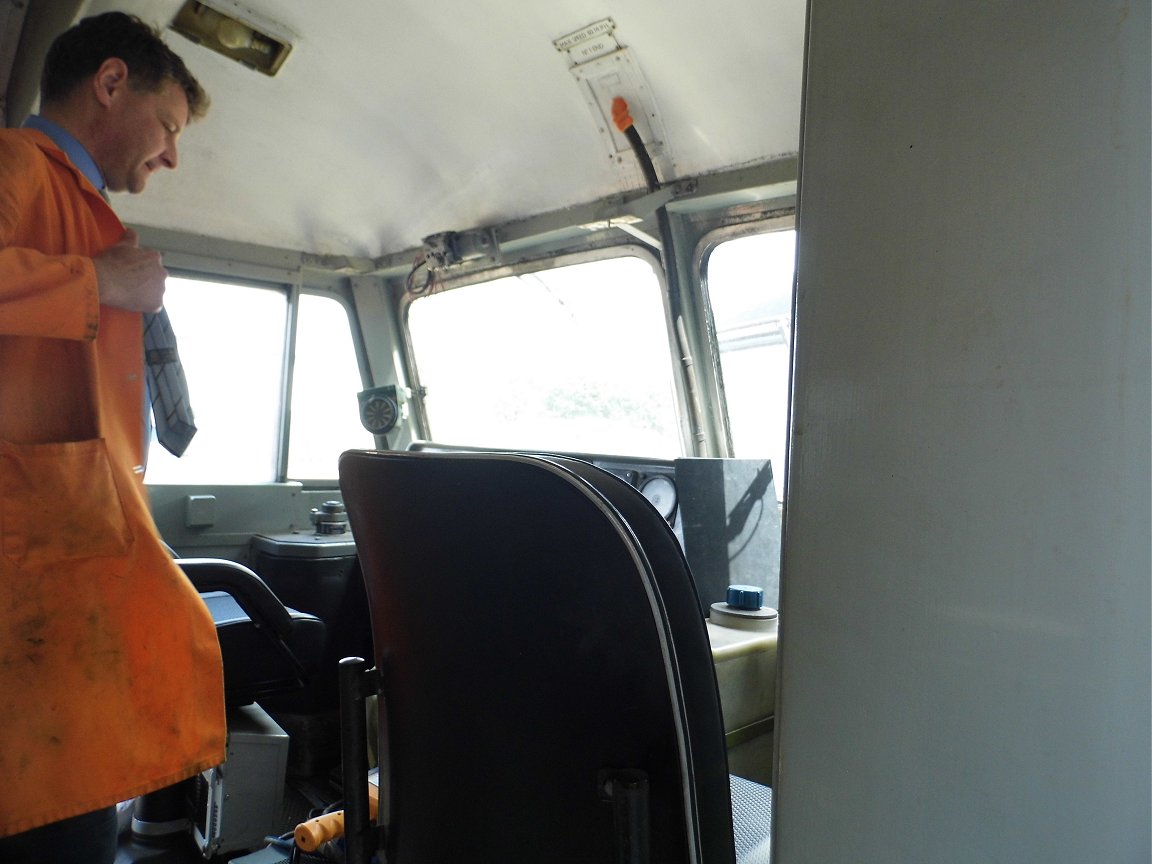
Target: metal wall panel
<point>965,624</point>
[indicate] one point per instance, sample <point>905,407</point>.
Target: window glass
<point>750,291</point>
<point>325,381</point>
<point>231,341</point>
<point>575,358</point>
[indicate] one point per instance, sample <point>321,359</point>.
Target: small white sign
<point>586,51</point>
<point>601,28</point>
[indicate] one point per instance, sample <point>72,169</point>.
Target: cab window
<point>326,378</point>
<point>573,358</point>
<point>232,339</point>
<point>749,283</point>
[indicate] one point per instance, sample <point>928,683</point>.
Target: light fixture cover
<point>229,29</point>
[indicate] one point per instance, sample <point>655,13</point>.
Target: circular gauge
<point>661,492</point>
<point>379,413</point>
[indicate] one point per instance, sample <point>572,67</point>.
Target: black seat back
<point>526,648</point>
<point>692,652</point>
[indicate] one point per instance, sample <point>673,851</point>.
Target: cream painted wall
<point>965,616</point>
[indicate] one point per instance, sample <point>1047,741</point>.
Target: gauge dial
<point>661,492</point>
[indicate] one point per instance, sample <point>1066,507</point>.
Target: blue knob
<point>746,597</point>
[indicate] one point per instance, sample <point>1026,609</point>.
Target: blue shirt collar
<point>72,148</point>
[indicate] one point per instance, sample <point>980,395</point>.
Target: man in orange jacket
<point>110,677</point>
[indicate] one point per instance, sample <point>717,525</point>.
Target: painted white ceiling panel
<point>394,120</point>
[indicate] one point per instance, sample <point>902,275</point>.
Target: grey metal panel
<point>964,633</point>
<point>11,25</point>
<point>41,22</point>
<point>240,512</point>
<point>731,526</point>
<point>305,545</point>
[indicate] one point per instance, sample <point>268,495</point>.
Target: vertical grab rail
<point>360,835</point>
<point>627,790</point>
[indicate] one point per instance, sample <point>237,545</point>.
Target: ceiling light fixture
<point>231,30</point>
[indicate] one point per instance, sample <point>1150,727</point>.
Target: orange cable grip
<point>620,115</point>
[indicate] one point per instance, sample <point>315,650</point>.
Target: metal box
<point>238,803</point>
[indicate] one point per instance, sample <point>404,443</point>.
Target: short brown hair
<point>79,51</point>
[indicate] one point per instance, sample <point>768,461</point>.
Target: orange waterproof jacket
<point>110,676</point>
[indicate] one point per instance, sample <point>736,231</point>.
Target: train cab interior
<point>338,282</point>
<point>772,293</point>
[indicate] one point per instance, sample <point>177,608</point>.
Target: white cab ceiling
<point>394,120</point>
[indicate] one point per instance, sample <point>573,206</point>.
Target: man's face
<point>145,126</point>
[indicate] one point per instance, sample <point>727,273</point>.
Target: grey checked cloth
<point>167,387</point>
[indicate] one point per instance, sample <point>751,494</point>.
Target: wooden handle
<point>310,835</point>
<point>314,833</point>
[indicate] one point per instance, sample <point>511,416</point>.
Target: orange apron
<point>110,677</point>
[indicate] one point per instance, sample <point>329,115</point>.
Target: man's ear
<point>110,78</point>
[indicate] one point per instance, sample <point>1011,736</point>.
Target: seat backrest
<point>692,651</point>
<point>526,646</point>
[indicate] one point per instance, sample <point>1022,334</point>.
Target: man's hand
<point>130,277</point>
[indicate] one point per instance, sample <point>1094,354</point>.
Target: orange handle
<point>314,833</point>
<point>311,835</point>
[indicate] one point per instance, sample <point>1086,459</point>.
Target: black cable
<point>646,166</point>
<point>627,126</point>
<point>429,278</point>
